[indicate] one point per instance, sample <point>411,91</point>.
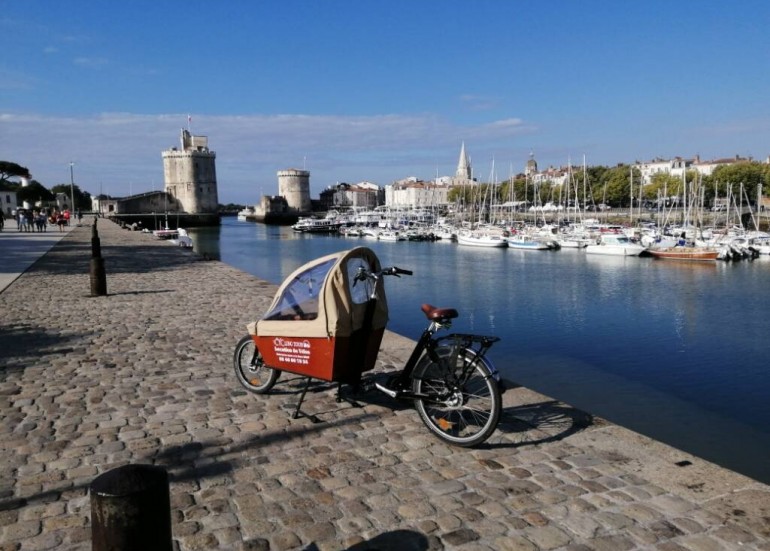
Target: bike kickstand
<point>297,413</point>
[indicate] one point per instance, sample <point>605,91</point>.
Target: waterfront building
<point>190,175</point>
<point>416,194</point>
<point>362,195</point>
<point>678,166</point>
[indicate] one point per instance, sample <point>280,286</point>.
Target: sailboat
<point>483,235</point>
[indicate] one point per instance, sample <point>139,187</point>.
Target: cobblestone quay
<point>144,375</point>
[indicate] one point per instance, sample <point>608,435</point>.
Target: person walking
<point>2,221</point>
<point>21,219</point>
<point>60,221</point>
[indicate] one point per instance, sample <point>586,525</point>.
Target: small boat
<point>615,244</point>
<point>481,239</point>
<point>520,241</point>
<point>166,234</point>
<point>182,239</point>
<point>685,253</point>
<point>390,235</point>
<point>245,214</point>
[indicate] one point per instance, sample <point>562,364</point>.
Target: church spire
<point>463,165</point>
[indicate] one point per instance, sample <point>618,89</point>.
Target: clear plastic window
<point>359,290</point>
<point>299,300</point>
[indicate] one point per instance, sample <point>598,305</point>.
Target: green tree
<point>663,185</point>
<point>82,198</point>
<point>34,193</point>
<point>616,184</point>
<point>729,178</point>
<point>12,170</point>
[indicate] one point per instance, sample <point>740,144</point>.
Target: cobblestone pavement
<point>144,375</point>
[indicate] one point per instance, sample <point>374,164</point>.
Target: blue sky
<point>376,91</point>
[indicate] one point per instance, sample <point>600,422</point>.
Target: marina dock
<point>144,376</point>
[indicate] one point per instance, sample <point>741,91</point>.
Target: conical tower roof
<point>464,165</point>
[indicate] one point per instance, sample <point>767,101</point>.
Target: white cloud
<point>92,62</point>
<point>117,151</point>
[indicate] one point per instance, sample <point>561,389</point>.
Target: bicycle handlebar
<point>364,274</point>
<point>396,271</point>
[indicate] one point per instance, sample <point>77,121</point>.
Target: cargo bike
<point>327,322</point>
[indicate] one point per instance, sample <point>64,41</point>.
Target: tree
<point>82,198</point>
<point>616,185</point>
<point>33,193</point>
<point>750,174</point>
<point>12,170</point>
<point>663,185</point>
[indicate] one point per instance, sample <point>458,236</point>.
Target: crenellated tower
<point>190,174</point>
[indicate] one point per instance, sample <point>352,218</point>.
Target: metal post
<point>72,190</point>
<point>97,273</point>
<point>131,509</point>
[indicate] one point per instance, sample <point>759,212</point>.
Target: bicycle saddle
<point>433,313</point>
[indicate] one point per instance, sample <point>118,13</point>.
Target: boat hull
<point>679,253</point>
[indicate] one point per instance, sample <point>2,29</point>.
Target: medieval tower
<point>190,174</point>
<point>294,186</point>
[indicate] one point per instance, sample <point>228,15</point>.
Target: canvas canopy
<point>322,299</point>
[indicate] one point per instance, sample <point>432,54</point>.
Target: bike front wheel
<point>250,368</point>
<point>463,402</point>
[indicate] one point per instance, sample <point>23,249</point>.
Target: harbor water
<point>674,350</point>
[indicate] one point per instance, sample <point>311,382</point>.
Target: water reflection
<point>619,337</point>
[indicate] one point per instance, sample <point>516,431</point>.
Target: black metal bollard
<point>131,509</point>
<point>98,275</point>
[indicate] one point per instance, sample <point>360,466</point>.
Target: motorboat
<point>481,239</point>
<point>317,225</point>
<point>615,244</point>
<point>182,239</point>
<point>245,214</point>
<point>521,241</point>
<point>390,235</point>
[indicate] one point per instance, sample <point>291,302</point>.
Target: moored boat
<point>317,225</point>
<point>615,244</point>
<point>685,253</point>
<point>481,239</point>
<point>526,242</point>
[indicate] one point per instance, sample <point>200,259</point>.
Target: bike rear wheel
<point>250,369</point>
<point>465,403</point>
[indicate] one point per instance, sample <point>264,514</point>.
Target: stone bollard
<point>131,509</point>
<point>98,276</point>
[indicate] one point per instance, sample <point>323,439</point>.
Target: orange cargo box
<point>338,359</point>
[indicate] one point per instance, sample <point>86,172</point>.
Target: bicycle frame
<point>322,326</point>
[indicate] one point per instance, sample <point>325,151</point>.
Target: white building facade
<point>8,202</point>
<point>416,195</point>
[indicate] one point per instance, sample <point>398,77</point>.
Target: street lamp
<point>72,188</point>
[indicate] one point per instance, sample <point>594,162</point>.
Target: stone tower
<point>294,186</point>
<point>531,168</point>
<point>464,170</point>
<point>190,174</point>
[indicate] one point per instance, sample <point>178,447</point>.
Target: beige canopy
<point>322,299</point>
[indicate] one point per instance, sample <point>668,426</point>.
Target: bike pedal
<point>386,390</point>
<point>366,386</point>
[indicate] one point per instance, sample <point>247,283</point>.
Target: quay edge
<point>144,375</point>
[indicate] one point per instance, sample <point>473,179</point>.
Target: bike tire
<point>472,413</point>
<point>251,370</point>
